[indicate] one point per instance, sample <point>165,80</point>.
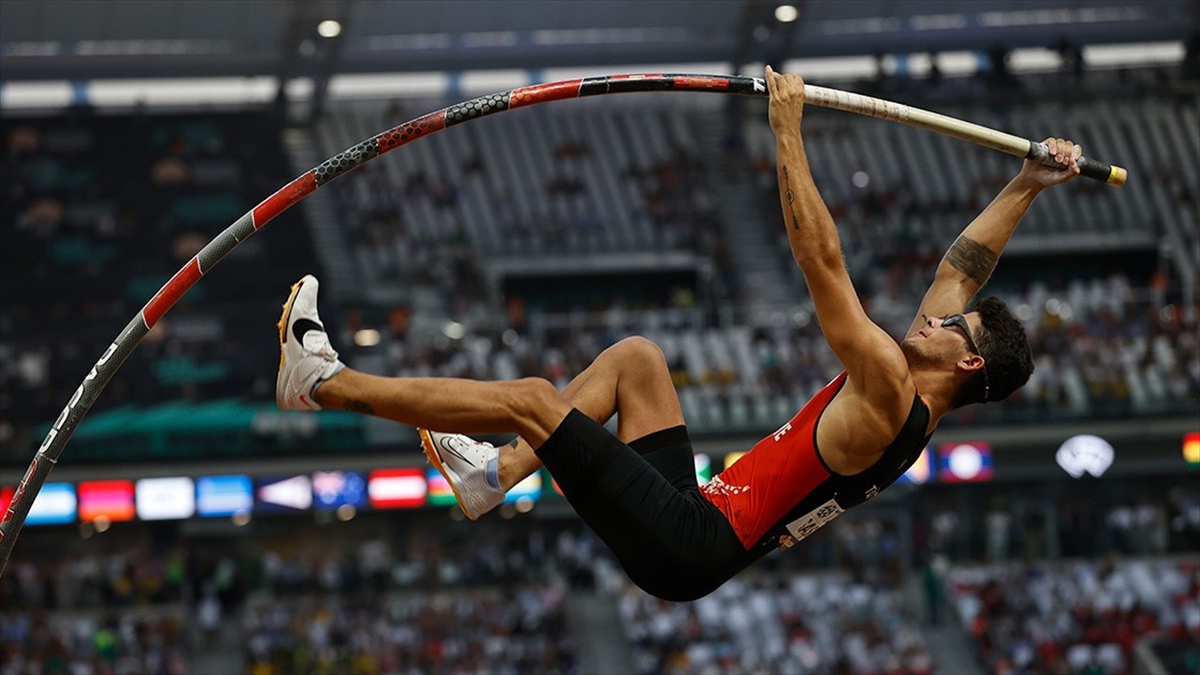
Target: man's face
<point>943,341</point>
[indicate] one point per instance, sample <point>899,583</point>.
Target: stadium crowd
<point>71,223</point>
<point>1101,349</point>
<point>112,641</point>
<point>520,629</point>
<point>389,594</point>
<point>1082,616</point>
<point>794,624</point>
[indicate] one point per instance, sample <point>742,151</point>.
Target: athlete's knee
<point>529,394</point>
<point>639,354</point>
<point>535,404</point>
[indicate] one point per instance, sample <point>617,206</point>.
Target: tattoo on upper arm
<point>359,407</point>
<point>972,259</point>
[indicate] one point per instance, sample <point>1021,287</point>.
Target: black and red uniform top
<point>782,491</point>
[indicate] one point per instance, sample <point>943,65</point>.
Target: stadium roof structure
<point>92,39</point>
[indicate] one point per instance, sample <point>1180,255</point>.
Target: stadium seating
<point>103,209</point>
<point>517,630</point>
<point>146,641</point>
<point>100,212</point>
<point>795,624</point>
<point>590,181</point>
<point>753,378</point>
<point>1075,616</point>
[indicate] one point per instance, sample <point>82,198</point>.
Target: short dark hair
<point>1006,353</point>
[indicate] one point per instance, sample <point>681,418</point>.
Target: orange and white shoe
<point>469,466</point>
<point>306,359</point>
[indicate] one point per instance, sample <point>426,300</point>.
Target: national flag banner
<point>964,462</point>
<point>439,491</point>
<point>397,488</point>
<point>530,487</point>
<point>55,504</point>
<point>1191,449</point>
<point>165,498</point>
<point>218,496</point>
<point>112,499</point>
<point>332,489</point>
<point>283,493</point>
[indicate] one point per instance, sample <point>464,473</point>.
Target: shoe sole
<point>435,459</point>
<point>282,325</point>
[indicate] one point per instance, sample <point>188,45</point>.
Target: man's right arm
<point>970,260</point>
<point>869,411</point>
<point>858,342</point>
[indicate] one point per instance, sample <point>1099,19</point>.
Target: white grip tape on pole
<point>855,103</point>
<point>924,119</point>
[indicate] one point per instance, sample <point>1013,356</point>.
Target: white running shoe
<point>306,358</point>
<point>466,463</point>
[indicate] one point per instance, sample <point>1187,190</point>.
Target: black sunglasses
<point>961,322</point>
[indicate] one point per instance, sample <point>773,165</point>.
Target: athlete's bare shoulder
<point>865,416</point>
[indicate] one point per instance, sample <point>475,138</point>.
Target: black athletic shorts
<point>642,500</point>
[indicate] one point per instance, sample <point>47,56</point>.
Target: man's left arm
<point>972,257</point>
